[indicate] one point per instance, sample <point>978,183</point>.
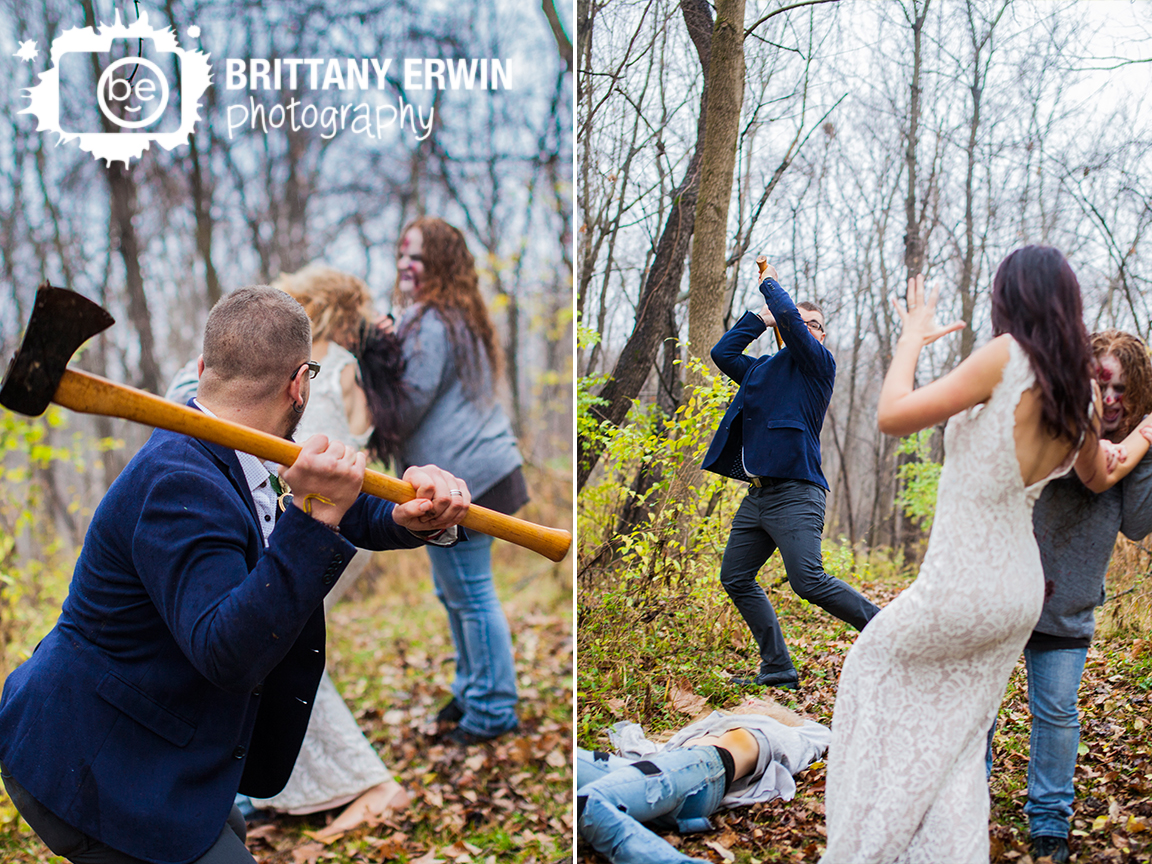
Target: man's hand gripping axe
<point>63,320</point>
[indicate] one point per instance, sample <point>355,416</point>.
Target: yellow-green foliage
<point>35,561</point>
<point>587,425</point>
<point>919,479</point>
<point>684,513</point>
<point>1128,609</point>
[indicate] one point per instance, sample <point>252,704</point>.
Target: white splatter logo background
<point>136,97</point>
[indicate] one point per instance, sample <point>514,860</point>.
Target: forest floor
<point>644,654</point>
<point>391,657</point>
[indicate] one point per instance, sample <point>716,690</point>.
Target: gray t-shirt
<point>1076,531</point>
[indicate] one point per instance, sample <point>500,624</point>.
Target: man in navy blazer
<point>188,652</point>
<point>770,438</point>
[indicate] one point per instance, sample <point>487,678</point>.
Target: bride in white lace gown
<point>920,687</point>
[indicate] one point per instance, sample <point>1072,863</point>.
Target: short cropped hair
<point>257,335</point>
<point>811,307</point>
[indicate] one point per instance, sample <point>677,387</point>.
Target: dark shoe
<point>450,713</point>
<point>1055,848</point>
<point>466,739</point>
<point>786,679</point>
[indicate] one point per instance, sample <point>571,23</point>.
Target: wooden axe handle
<point>91,394</point>
<point>762,264</point>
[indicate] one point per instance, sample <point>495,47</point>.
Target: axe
<point>762,263</point>
<point>63,320</point>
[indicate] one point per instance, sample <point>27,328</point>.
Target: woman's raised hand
<point>918,317</point>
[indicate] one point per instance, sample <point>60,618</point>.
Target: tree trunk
<point>122,190</point>
<point>201,191</point>
<point>202,205</point>
<point>563,43</point>
<point>968,266</point>
<point>585,14</point>
<point>707,286</point>
<point>664,276</point>
<point>725,86</point>
<point>913,242</point>
<point>122,195</point>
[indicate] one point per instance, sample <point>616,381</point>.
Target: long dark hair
<point>381,362</point>
<point>1036,298</point>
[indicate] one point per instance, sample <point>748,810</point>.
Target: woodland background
<point>854,144</point>
<point>870,141</point>
<point>158,242</point>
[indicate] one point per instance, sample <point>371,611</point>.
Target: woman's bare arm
<point>1102,465</point>
<point>904,409</point>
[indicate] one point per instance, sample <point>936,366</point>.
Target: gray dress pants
<point>78,847</point>
<point>787,515</point>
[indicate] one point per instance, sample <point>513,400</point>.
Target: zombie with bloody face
<point>1125,377</point>
<point>1076,530</point>
<point>450,407</point>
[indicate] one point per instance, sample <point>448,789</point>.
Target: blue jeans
<point>674,790</point>
<point>485,684</point>
<point>787,515</point>
<point>1053,686</point>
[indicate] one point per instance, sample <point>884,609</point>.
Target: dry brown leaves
<point>1112,819</point>
<point>519,784</point>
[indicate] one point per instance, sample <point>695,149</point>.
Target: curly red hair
<point>451,286</point>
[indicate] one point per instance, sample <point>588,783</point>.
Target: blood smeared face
<point>1111,376</point>
<point>410,264</point>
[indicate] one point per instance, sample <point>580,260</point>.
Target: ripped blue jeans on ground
<point>619,801</point>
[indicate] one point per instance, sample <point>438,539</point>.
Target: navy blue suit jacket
<point>779,410</point>
<point>186,657</point>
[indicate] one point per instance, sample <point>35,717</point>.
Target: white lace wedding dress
<point>919,689</point>
<point>336,762</point>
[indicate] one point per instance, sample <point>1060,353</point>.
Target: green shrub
<point>675,518</point>
<point>587,425</point>
<point>35,561</point>
<point>919,479</point>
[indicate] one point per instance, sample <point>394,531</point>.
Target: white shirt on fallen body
<point>784,750</point>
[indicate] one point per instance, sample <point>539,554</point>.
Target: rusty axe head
<point>61,322</point>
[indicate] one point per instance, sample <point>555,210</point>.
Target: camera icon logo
<point>147,89</point>
<point>144,91</point>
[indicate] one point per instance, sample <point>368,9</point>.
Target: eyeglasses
<point>812,325</point>
<point>313,370</point>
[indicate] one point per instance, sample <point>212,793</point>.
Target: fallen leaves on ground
<point>508,798</point>
<point>685,701</point>
<point>308,854</point>
<point>1112,818</point>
